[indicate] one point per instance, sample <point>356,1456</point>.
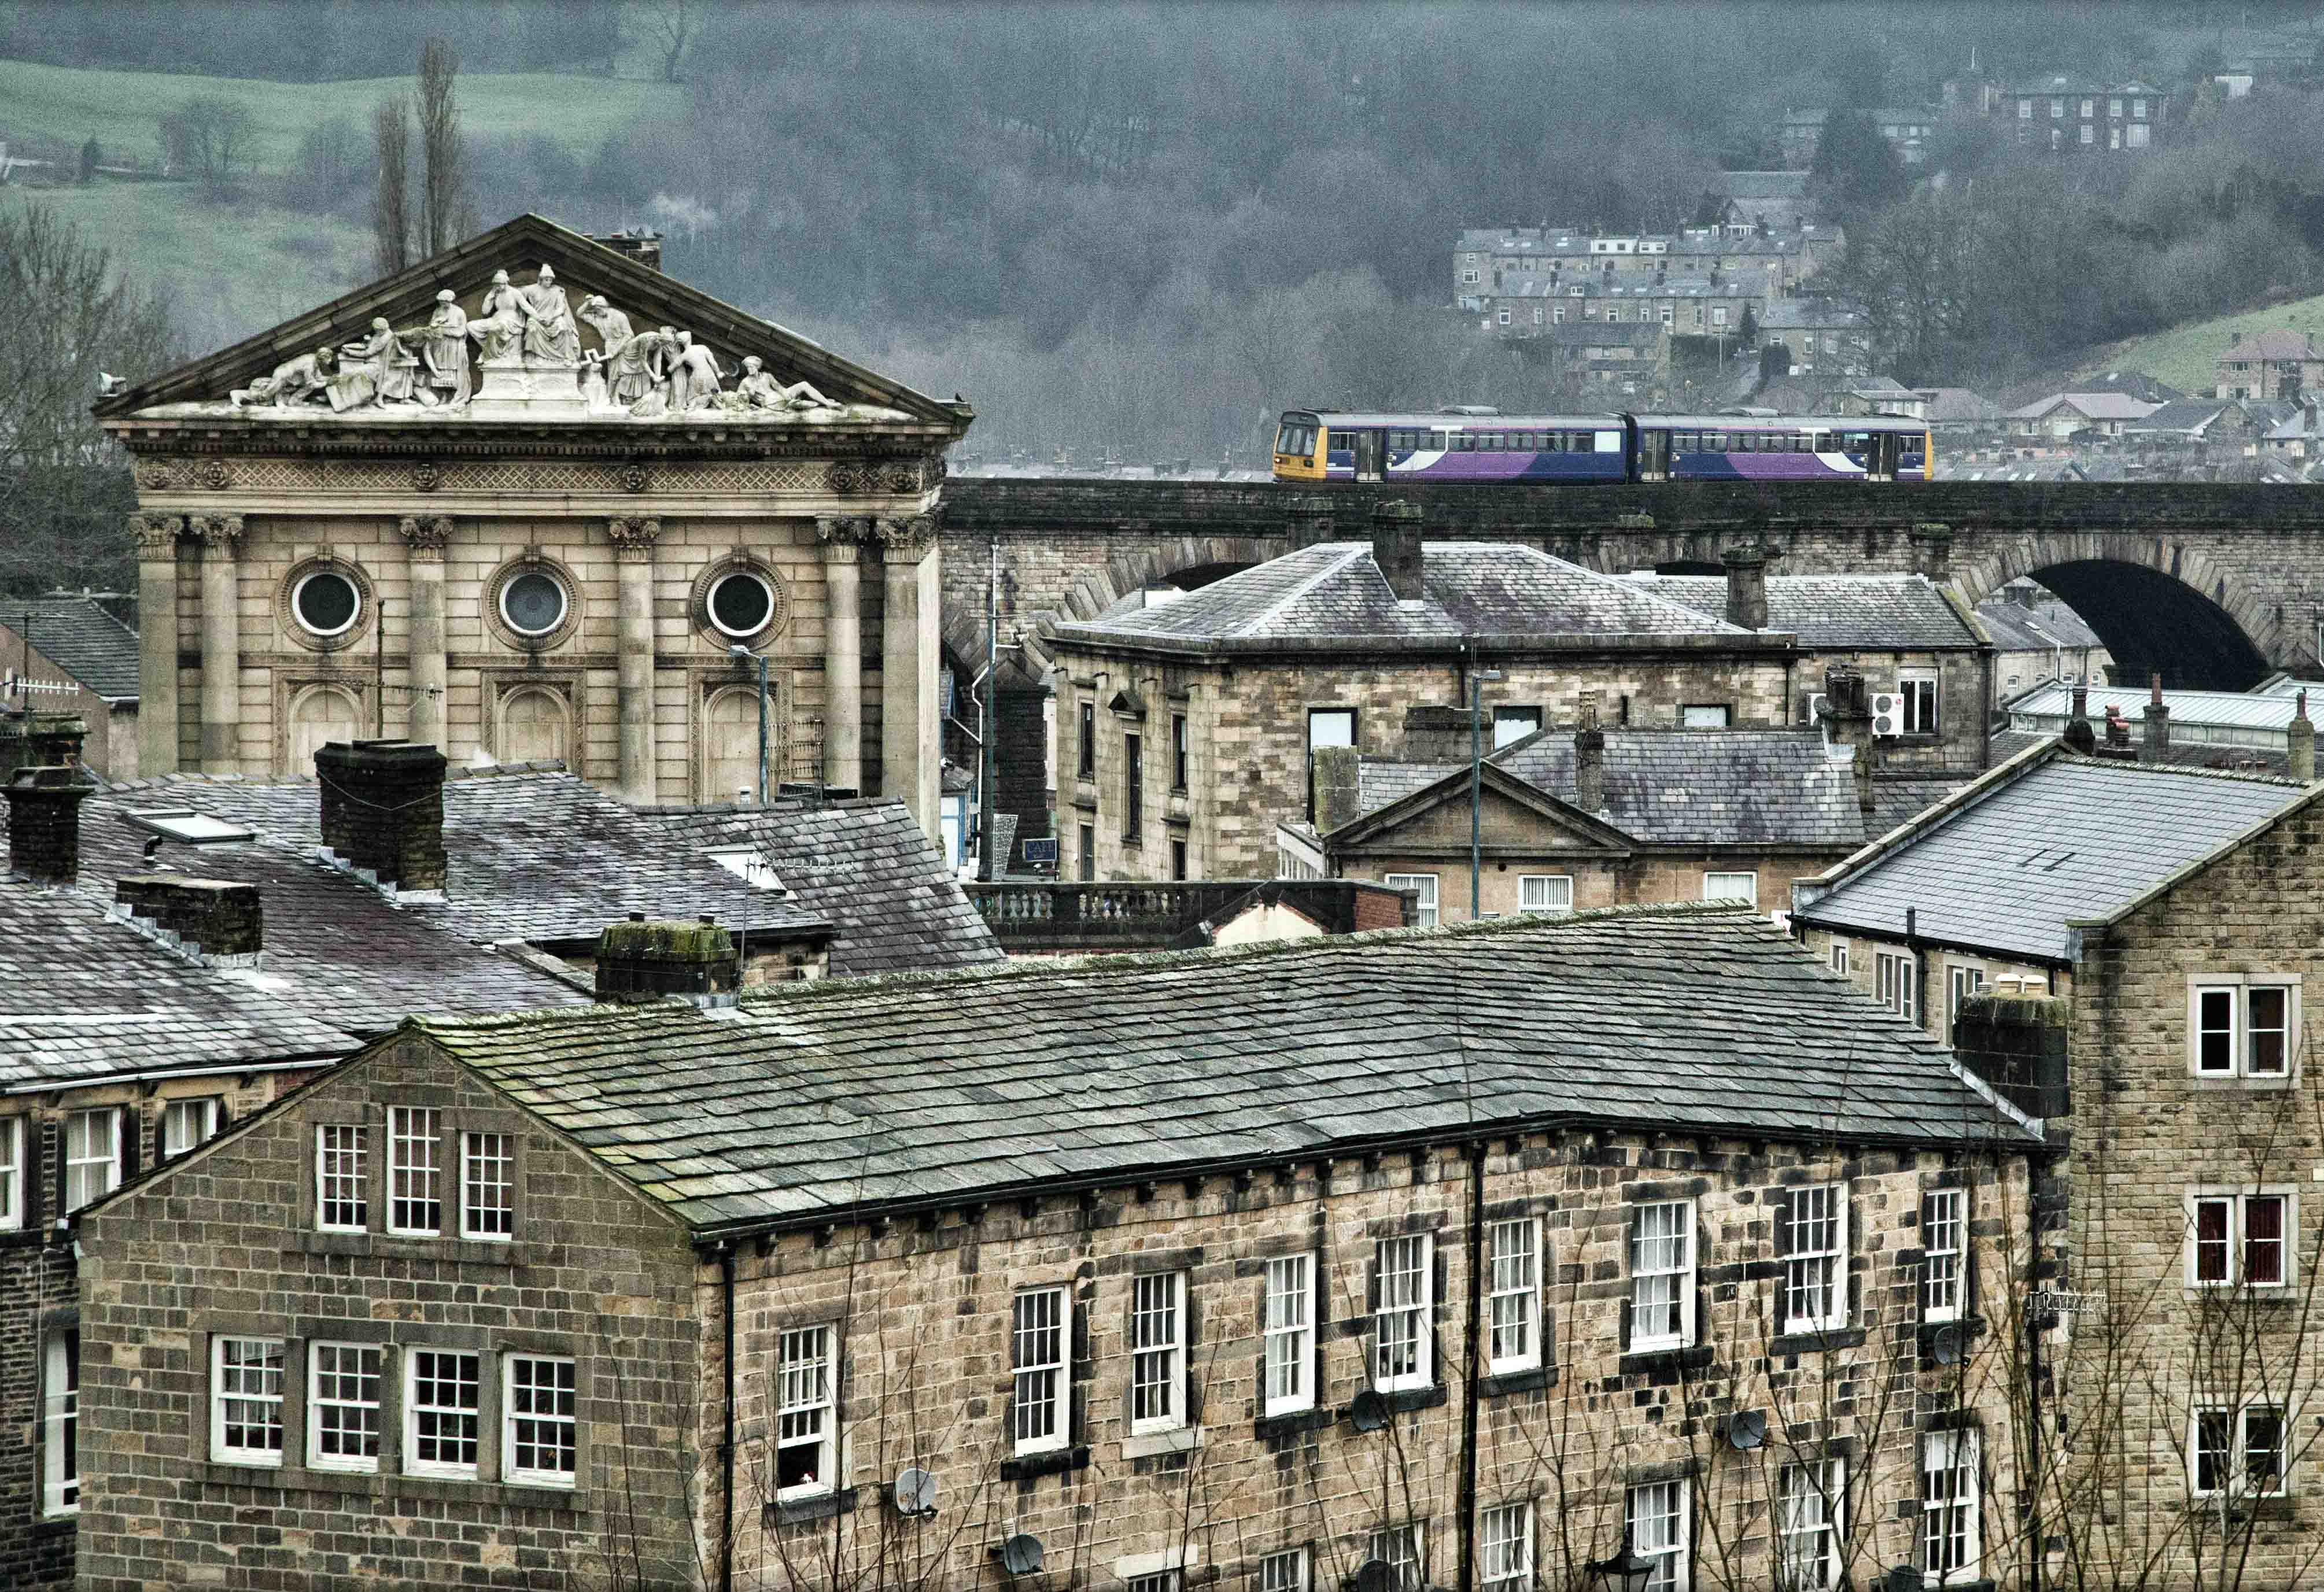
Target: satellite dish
<point>1367,1412</point>
<point>1020,1555</point>
<point>1945,1345</point>
<point>1376,1575</point>
<point>915,1492</point>
<point>1747,1430</point>
<point>1905,1578</point>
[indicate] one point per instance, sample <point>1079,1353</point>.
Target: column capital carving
<point>633,538</point>
<point>220,533</point>
<point>426,534</point>
<point>905,541</point>
<point>157,533</point>
<point>843,529</point>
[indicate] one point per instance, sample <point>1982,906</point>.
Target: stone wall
<point>1641,879</point>
<point>924,1313</point>
<point>227,1243</point>
<point>1936,963</point>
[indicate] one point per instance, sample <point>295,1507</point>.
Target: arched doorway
<point>730,745</point>
<point>319,715</point>
<point>534,726</point>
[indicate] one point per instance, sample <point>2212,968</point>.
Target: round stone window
<point>326,602</point>
<point>533,603</point>
<point>741,604</point>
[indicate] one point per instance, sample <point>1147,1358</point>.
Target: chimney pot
<point>384,809</point>
<point>642,959</point>
<point>1396,548</point>
<point>1747,586</point>
<point>2158,716</point>
<point>2299,739</point>
<point>45,823</point>
<point>222,917</point>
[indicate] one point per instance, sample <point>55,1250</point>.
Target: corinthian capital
<point>907,540</point>
<point>157,534</point>
<point>633,540</point>
<point>426,534</point>
<point>220,533</point>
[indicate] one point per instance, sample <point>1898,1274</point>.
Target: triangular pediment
<point>605,339</point>
<point>1511,812</point>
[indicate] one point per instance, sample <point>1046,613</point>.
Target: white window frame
<point>1671,1570</point>
<point>806,1414</point>
<point>1909,683</point>
<point>1404,1549</point>
<point>12,1180</point>
<point>563,1388</point>
<point>2239,1436</point>
<point>1719,885</point>
<point>1157,1351</point>
<point>330,1165</point>
<point>1839,955</point>
<point>1505,1548</point>
<point>1680,1214</point>
<point>1817,1273</point>
<point>1424,915</point>
<point>202,1109</point>
<point>254,1386</point>
<point>1404,1318</point>
<point>60,1421</point>
<point>1513,1273</point>
<point>1895,974</point>
<point>400,1121</point>
<point>413,1465</point>
<point>1283,1572</point>
<point>79,1161</point>
<point>1811,1523</point>
<point>1549,894</point>
<point>2238,1238</point>
<point>478,1166</point>
<point>1944,1266</point>
<point>1289,1334</point>
<point>1962,980</point>
<point>2234,991</point>
<point>1040,1343</point>
<point>318,1404</point>
<point>1954,1455</point>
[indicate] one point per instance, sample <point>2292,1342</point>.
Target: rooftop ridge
<point>2185,770</point>
<point>1331,568</point>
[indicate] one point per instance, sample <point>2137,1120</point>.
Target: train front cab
<point>1299,444</point>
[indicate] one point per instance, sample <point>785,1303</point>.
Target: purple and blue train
<point>1471,449</point>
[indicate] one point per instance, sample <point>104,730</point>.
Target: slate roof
<point>1960,405</point>
<point>2064,838</point>
<point>816,1100</point>
<point>1699,788</point>
<point>1835,612</point>
<point>1799,314</point>
<point>1895,801</point>
<point>536,854</point>
<point>2015,628</point>
<point>2181,416</point>
<point>1333,591</point>
<point>2007,744</point>
<point>82,997</point>
<point>2095,405</point>
<point>80,638</point>
<point>867,868</point>
<point>2275,343</point>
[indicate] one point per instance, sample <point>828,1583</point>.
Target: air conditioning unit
<point>1887,713</point>
<point>1816,702</point>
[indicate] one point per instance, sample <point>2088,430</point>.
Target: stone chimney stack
<point>1338,790</point>
<point>1590,759</point>
<point>384,810</point>
<point>2117,744</point>
<point>2078,735</point>
<point>1307,519</point>
<point>2299,738</point>
<point>642,961</point>
<point>1933,550</point>
<point>1396,548</point>
<point>1747,586</point>
<point>2158,718</point>
<point>1847,723</point>
<point>218,917</point>
<point>639,243</point>
<point>44,823</point>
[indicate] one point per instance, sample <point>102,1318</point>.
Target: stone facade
<point>613,533</point>
<point>231,1248</point>
<point>1938,979</point>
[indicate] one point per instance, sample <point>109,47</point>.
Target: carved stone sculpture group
<point>526,339</point>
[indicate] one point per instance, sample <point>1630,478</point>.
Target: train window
<point>1343,442</point>
<point>1463,443</point>
<point>1822,441</point>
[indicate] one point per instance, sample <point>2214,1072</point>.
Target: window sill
<point>1292,1423</point>
<point>820,1506</point>
<point>1146,1444</point>
<point>384,1245</point>
<point>2207,1507</point>
<point>1404,1401</point>
<point>1508,1382</point>
<point>1054,1462</point>
<point>1656,1361</point>
<point>1818,1342</point>
<point>395,1484</point>
<point>2214,1082</point>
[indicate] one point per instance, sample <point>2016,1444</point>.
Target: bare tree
<point>671,26</point>
<point>444,203</point>
<point>390,199</point>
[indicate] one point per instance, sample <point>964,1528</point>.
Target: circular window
<point>533,603</point>
<point>326,602</point>
<point>741,604</point>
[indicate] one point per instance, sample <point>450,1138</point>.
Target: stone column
<point>911,748</point>
<point>424,538</point>
<point>634,551</point>
<point>157,642</point>
<point>221,536</point>
<point>843,652</point>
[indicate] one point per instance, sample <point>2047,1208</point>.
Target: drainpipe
<point>726,1439</point>
<point>1469,1394</point>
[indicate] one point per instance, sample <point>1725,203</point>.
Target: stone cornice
<point>873,445</point>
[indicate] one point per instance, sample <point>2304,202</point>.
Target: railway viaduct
<point>2212,585</point>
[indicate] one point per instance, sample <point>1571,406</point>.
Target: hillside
<point>2182,355</point>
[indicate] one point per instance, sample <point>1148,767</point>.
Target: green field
<point>2182,355</point>
<point>68,104</point>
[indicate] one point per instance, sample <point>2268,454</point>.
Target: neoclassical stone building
<point>530,512</point>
